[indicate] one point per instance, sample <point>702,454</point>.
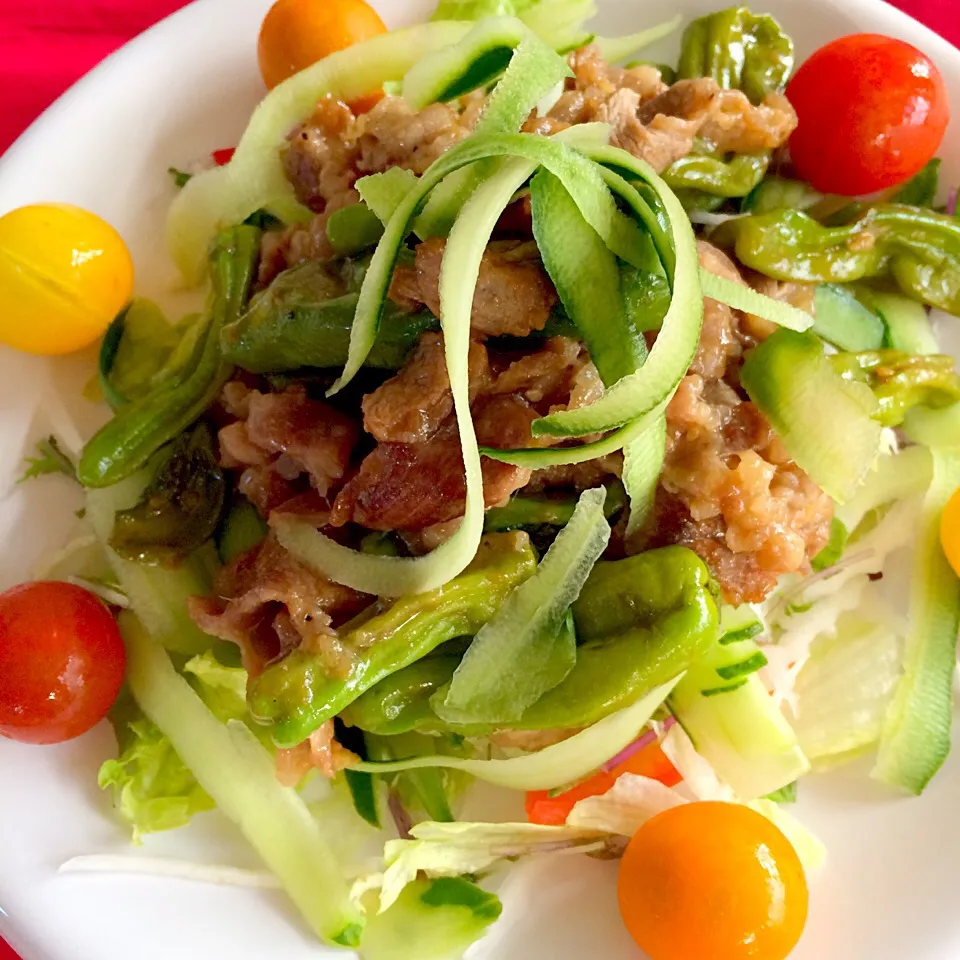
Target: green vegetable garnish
<point>919,249</point>
<point>740,50</point>
<point>296,695</point>
<point>901,381</point>
<point>141,428</point>
<point>50,458</point>
<point>180,509</point>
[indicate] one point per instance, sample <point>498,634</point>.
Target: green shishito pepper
<point>180,509</point>
<point>740,50</point>
<point>919,249</point>
<point>718,177</point>
<point>640,622</point>
<point>297,695</point>
<point>142,427</point>
<point>901,380</point>
<point>520,511</point>
<point>304,319</point>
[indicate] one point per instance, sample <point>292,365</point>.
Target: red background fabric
<point>45,45</point>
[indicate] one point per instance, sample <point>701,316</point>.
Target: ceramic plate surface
<point>889,890</point>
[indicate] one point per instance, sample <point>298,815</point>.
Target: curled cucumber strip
<point>399,576</point>
<point>637,394</point>
<point>740,297</point>
<point>254,178</point>
<point>555,766</point>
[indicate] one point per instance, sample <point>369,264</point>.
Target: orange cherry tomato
<point>950,531</point>
<point>298,33</point>
<point>712,880</point>
<point>62,661</point>
<point>553,810</point>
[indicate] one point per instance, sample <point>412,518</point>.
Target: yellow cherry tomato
<point>298,33</point>
<point>712,881</point>
<point>950,531</point>
<point>64,275</point>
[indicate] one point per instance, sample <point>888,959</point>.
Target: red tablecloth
<point>47,44</point>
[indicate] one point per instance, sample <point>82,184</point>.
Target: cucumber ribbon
<point>586,178</point>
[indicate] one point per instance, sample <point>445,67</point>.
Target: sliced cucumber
<point>825,422</point>
<point>732,720</point>
<point>841,319</point>
<point>777,193</point>
<point>907,322</point>
<point>916,733</point>
<point>739,623</point>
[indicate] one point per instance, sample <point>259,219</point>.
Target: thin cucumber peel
<point>916,733</point>
<point>234,768</point>
<point>555,766</point>
<point>616,49</point>
<point>254,179</point>
<point>515,659</point>
<point>826,423</point>
<point>399,576</point>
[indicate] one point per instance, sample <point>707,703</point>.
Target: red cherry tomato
<point>872,111</point>
<point>62,661</point>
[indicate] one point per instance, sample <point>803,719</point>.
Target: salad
<point>551,424</point>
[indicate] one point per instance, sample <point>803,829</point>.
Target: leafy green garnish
<point>179,177</point>
<point>50,458</point>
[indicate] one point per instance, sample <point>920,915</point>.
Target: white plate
<point>186,88</point>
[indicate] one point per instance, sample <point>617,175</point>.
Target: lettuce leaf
<point>454,849</point>
<point>153,790</point>
<point>625,807</point>
<point>442,917</point>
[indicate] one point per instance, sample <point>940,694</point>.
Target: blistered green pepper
<point>520,511</point>
<point>902,380</point>
<point>718,177</point>
<point>353,229</point>
<point>696,201</point>
<point>919,248</point>
<point>180,509</point>
<point>640,622</point>
<point>297,694</point>
<point>304,318</point>
<point>738,49</point>
<point>141,428</point>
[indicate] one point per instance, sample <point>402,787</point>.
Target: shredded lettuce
<point>700,778</point>
<point>626,806</point>
<point>803,611</point>
<point>843,691</point>
<point>152,788</point>
<point>455,849</point>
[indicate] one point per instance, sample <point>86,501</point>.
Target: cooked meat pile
<point>728,489</point>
